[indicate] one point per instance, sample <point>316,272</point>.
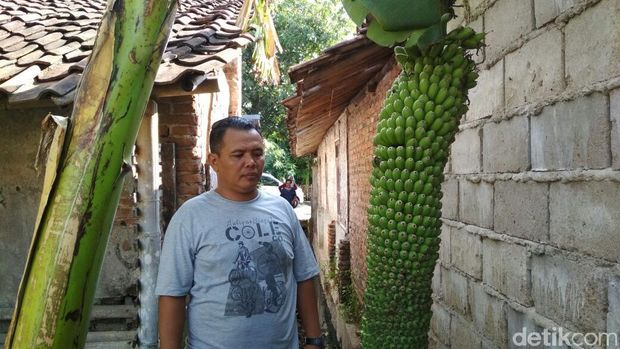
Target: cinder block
<point>466,252</point>
<point>455,291</point>
<point>476,203</point>
<point>489,314</point>
<point>535,70</point>
<point>517,323</point>
<point>546,11</point>
<point>476,7</point>
<point>520,326</point>
<point>521,209</point>
<point>505,268</point>
<point>585,216</point>
<point>436,282</point>
<point>488,345</point>
<point>477,25</point>
<point>593,44</point>
<point>614,111</point>
<point>450,199</point>
<point>487,97</point>
<point>465,333</point>
<point>529,332</point>
<point>459,11</point>
<point>506,146</point>
<point>465,153</point>
<point>435,344</point>
<point>613,314</point>
<point>572,135</point>
<point>572,293</point>
<point>444,247</point>
<point>440,324</point>
<point>505,22</point>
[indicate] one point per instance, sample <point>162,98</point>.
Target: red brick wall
<point>126,214</point>
<point>180,122</point>
<point>363,113</point>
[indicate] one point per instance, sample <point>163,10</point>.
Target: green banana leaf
<point>409,23</point>
<point>401,15</point>
<point>58,287</point>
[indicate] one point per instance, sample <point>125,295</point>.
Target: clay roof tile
<point>21,52</point>
<point>15,47</point>
<point>54,37</point>
<point>10,41</point>
<point>30,58</point>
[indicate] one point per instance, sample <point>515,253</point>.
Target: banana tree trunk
<point>59,282</point>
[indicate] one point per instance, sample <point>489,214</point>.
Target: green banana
<point>427,101</point>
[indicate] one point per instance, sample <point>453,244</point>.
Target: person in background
<point>288,190</point>
<point>238,257</point>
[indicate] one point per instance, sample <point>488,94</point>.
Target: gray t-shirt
<point>240,262</point>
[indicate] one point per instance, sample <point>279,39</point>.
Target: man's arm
<point>171,322</point>
<point>307,306</point>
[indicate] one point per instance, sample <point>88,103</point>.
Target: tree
<point>277,160</point>
<point>305,28</point>
<point>71,234</point>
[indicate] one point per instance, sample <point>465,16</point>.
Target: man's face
<point>239,164</point>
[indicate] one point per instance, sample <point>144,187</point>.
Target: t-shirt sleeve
<point>176,265</point>
<point>304,263</point>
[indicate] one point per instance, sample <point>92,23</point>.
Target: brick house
<point>44,47</point>
<point>531,214</point>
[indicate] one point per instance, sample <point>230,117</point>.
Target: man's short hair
<point>220,127</point>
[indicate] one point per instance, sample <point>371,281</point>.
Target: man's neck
<point>237,196</point>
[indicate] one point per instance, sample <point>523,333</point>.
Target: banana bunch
<point>416,127</point>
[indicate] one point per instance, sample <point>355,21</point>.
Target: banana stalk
<point>55,296</point>
<point>416,128</point>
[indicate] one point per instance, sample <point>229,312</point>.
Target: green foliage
<point>305,28</point>
<point>277,160</point>
<point>351,307</point>
<point>332,273</point>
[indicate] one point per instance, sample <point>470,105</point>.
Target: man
<point>241,257</point>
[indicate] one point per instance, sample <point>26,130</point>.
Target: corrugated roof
<point>45,44</point>
<point>325,87</point>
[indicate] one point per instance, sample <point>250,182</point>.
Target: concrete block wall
<point>531,214</point>
<point>20,190</point>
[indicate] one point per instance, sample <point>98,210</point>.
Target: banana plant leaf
<point>409,23</point>
<point>55,297</point>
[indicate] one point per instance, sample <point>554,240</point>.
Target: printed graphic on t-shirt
<point>258,278</point>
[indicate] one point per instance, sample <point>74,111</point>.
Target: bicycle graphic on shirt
<point>243,269</point>
<point>244,287</point>
<point>269,265</point>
